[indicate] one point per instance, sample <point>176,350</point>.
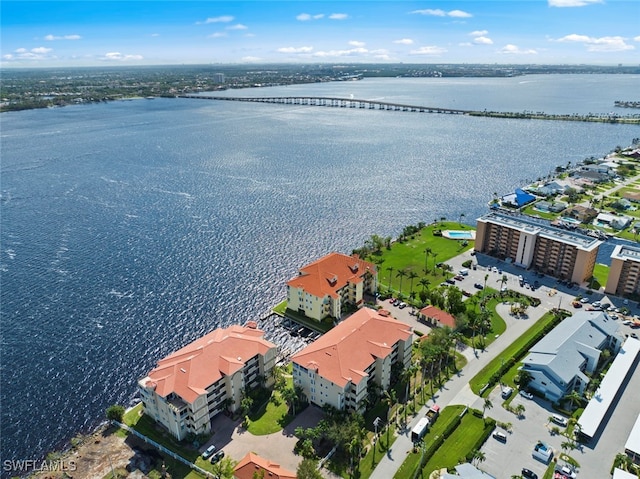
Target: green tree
<point>389,399</point>
<point>573,397</point>
<point>400,274</point>
<point>411,275</point>
<point>223,469</point>
<point>390,270</point>
<point>477,457</point>
<point>487,404</point>
<point>308,469</point>
<point>115,412</point>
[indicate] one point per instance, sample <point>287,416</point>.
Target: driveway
<point>277,447</point>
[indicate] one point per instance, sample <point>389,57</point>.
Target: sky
<point>98,33</point>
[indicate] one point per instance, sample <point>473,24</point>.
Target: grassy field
<point>601,273</point>
<point>479,380</point>
<point>271,417</point>
<point>457,446</point>
<point>410,256</point>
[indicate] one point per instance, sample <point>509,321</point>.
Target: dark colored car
<point>217,456</point>
<point>528,474</point>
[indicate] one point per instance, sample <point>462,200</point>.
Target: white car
<point>561,421</point>
<point>526,394</point>
<point>627,322</point>
<point>584,300</point>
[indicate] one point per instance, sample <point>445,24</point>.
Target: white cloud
<point>119,57</point>
<point>515,50</point>
<point>355,43</point>
<point>251,59</point>
<point>429,50</point>
<point>220,19</point>
<point>483,41</point>
<point>404,41</point>
<point>465,44</point>
<point>295,50</point>
<point>602,44</point>
<point>51,38</point>
<point>305,17</point>
<point>38,53</point>
<point>341,53</point>
<point>459,14</point>
<point>217,35</point>
<point>338,16</point>
<point>479,33</point>
<point>239,26</point>
<point>572,3</point>
<point>442,13</point>
<point>636,39</point>
<point>155,34</point>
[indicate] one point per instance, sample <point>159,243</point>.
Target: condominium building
<point>565,358</point>
<point>323,287</point>
<point>534,244</point>
<point>624,272</point>
<point>192,385</point>
<point>359,353</point>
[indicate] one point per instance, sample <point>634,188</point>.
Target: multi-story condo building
<point>536,245</point>
<point>360,352</point>
<point>564,359</point>
<point>192,385</point>
<point>323,287</point>
<point>624,272</point>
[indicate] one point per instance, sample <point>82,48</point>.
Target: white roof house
<point>632,446</point>
<point>558,362</point>
<point>613,221</point>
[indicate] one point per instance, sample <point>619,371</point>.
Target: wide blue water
<point>131,228</point>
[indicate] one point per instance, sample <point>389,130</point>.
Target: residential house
<point>563,360</point>
<point>360,353</point>
<point>324,287</point>
<point>633,196</point>
<point>432,314</point>
<point>612,221</point>
<point>534,244</point>
<point>550,189</point>
<point>624,273</point>
<point>551,206</point>
<point>518,199</point>
<point>584,214</point>
<point>192,385</point>
<point>467,471</point>
<point>252,466</point>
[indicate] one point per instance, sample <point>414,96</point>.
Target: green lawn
<point>601,273</point>
<point>457,446</point>
<point>482,378</point>
<point>271,417</point>
<point>409,465</point>
<point>410,256</point>
<point>280,308</point>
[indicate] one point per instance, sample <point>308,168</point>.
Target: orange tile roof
<point>190,370</point>
<point>252,463</point>
<point>343,353</point>
<point>442,317</point>
<point>327,275</point>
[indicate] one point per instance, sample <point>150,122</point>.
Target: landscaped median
<point>454,438</point>
<point>490,375</point>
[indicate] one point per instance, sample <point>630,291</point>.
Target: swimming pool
<point>462,235</point>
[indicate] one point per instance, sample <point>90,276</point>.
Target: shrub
<point>115,412</point>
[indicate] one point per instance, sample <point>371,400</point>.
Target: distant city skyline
<point>108,33</point>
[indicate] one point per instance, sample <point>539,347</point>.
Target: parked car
<point>500,436</point>
<point>450,281</point>
<point>634,335</point>
<point>528,474</point>
<point>561,421</point>
<point>526,394</point>
<point>506,392</point>
<point>217,456</point>
<point>466,293</point>
<point>402,305</point>
<point>584,300</point>
<point>478,286</point>
<point>209,452</point>
<point>458,277</point>
<point>392,300</point>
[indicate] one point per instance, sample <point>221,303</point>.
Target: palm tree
<point>503,280</point>
<point>477,457</point>
<point>400,274</point>
<point>486,405</point>
<point>290,396</point>
<point>486,277</point>
<point>573,397</point>
<point>389,399</point>
<point>424,282</point>
<point>411,276</point>
<point>390,270</point>
<point>520,409</point>
<point>427,253</point>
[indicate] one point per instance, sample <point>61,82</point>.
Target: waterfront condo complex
<point>325,286</point>
<point>624,272</point>
<point>362,351</point>
<point>535,245</point>
<point>192,385</point>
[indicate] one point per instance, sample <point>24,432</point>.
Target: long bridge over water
<point>334,102</point>
<point>389,106</point>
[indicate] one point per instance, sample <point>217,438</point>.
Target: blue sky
<point>88,33</point>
